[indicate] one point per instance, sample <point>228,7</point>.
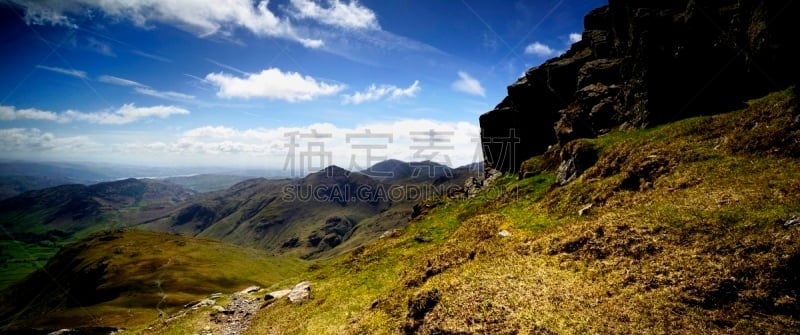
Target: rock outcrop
<point>642,63</point>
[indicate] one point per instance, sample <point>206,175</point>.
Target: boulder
<point>277,294</point>
<point>199,303</point>
<point>300,292</point>
<point>251,289</point>
<point>576,157</point>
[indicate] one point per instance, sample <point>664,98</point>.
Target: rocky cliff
<point>642,63</point>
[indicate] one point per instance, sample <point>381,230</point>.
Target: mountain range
<point>611,201</point>
<point>307,217</point>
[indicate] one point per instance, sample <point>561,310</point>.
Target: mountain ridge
<point>644,63</point>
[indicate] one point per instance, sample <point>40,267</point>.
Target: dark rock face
<point>335,231</point>
<point>642,63</point>
<point>576,157</point>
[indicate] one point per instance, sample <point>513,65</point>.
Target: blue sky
<point>228,82</point>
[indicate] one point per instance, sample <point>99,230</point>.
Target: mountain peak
<point>334,170</point>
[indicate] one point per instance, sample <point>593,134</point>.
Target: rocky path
<point>237,315</point>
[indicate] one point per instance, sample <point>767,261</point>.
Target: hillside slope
<point>124,279</point>
<point>691,227</point>
<point>36,223</point>
<point>694,227</point>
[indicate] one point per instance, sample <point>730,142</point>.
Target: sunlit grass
<point>643,260</point>
<point>686,234</point>
<point>152,271</point>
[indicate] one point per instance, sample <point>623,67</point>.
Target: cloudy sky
<point>272,84</point>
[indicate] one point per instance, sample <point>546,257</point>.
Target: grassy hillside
<point>35,224</point>
<point>694,228</point>
<point>127,278</point>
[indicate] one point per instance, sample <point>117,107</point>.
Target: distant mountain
<point>397,171</point>
<point>474,167</point>
<point>36,223</point>
<point>325,213</point>
<point>304,216</point>
<point>73,207</point>
<point>19,177</point>
<point>76,173</point>
<point>15,185</point>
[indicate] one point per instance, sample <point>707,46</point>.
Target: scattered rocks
<point>504,233</point>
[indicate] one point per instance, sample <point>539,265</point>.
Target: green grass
<point>18,259</point>
<point>655,259</point>
<point>138,265</point>
<point>686,235</point>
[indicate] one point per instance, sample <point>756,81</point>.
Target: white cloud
<point>69,72</point>
<point>128,113</point>
<point>10,113</point>
<point>374,92</point>
<point>539,49</point>
<point>575,37</point>
<point>211,132</point>
<point>346,15</point>
<point>144,89</point>
<point>272,83</point>
<point>119,81</point>
<point>100,47</point>
<point>202,17</point>
<point>468,85</point>
<point>169,95</point>
<point>151,56</point>
<point>39,13</point>
<point>29,141</point>
<point>457,144</point>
